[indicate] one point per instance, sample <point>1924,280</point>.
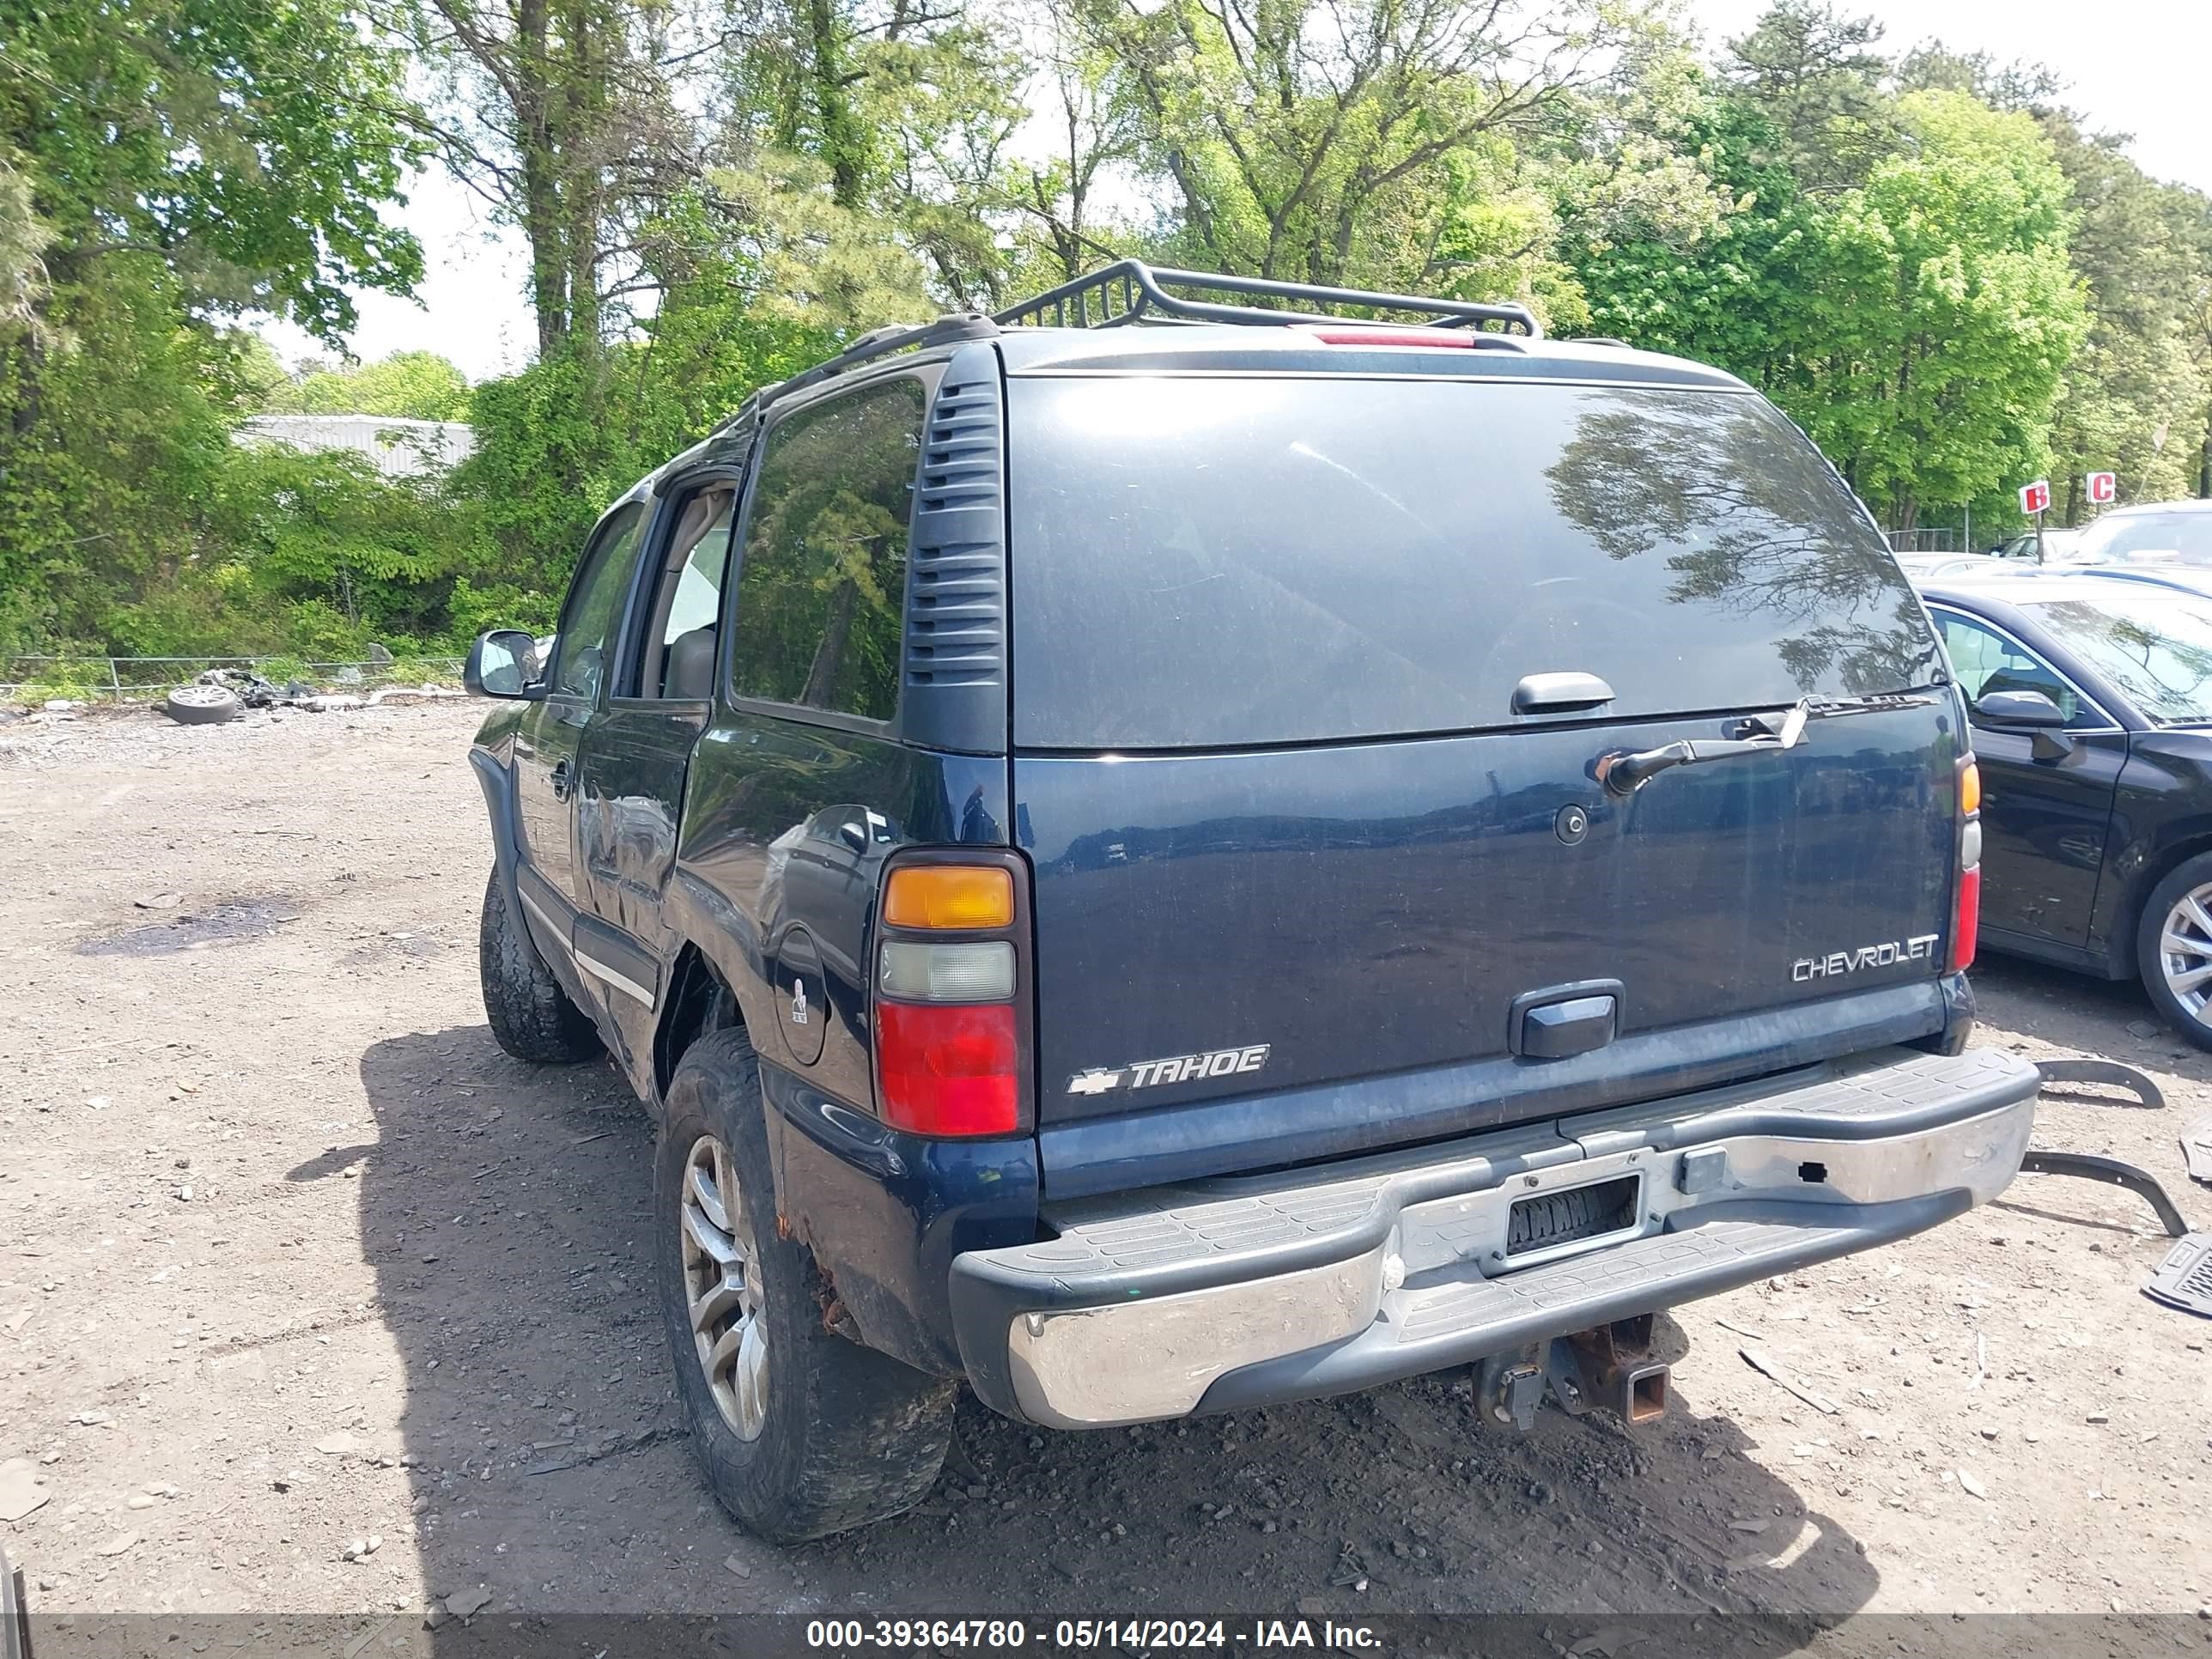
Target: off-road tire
<point>2190,874</point>
<point>851,1435</point>
<point>531,1017</point>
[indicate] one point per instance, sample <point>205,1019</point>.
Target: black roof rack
<point>1142,295</point>
<point>1131,291</point>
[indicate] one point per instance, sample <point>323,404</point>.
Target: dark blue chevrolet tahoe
<point>1158,853</point>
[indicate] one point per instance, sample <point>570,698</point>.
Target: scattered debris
<point>1972,1484</point>
<point>737,1564</point>
<point>613,1446</point>
<point>21,1489</point>
<point>1758,1362</point>
<point>120,1544</point>
<point>2196,1149</point>
<point>464,1603</point>
<point>1609,1641</point>
<point>359,1645</point>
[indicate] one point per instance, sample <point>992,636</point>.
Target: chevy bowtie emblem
<point>1176,1068</point>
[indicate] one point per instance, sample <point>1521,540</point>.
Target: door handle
<point>561,779</point>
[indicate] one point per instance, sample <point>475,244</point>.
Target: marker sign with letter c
<point>2103,487</point>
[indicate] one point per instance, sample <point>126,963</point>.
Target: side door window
<point>821,595</point>
<point>676,645</point>
<point>1985,661</point>
<point>581,653</point>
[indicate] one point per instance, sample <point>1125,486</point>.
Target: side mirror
<point>2023,711</point>
<point>502,663</point>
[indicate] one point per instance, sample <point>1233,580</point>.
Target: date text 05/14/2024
<point>1080,1635</point>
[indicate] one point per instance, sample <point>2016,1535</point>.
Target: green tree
<point>1374,143</point>
<point>164,167</point>
<point>1817,77</point>
<point>1728,293</point>
<point>407,385</point>
<point>1941,311</point>
<point>2135,398</point>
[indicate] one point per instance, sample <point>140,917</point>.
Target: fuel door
<point>802,1003</point>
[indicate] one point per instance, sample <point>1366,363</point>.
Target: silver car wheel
<point>721,1287</point>
<point>2184,951</point>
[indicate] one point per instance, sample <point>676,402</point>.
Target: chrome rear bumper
<point>1239,1292</point>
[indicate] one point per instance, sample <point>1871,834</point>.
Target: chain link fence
<point>122,679</point>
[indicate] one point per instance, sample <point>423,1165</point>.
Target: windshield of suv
<point>2185,538</point>
<point>1206,561</point>
<point>2157,648</point>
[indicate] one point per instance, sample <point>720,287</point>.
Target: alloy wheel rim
<point>721,1287</point>
<point>2184,951</point>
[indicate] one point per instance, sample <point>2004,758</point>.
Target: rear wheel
<point>2173,949</point>
<point>531,1017</point>
<point>798,1431</point>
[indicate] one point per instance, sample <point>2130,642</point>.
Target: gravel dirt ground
<point>311,1300</point>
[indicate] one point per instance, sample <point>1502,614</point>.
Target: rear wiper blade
<point>1625,773</point>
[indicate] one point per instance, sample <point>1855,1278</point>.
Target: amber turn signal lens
<point>949,896</point>
<point>1969,789</point>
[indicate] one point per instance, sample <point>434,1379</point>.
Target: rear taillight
<point>951,993</point>
<point>1966,909</point>
<point>948,1070</point>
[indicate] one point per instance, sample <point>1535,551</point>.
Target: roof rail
<point>885,342</point>
<point>1131,291</point>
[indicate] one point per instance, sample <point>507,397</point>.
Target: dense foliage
<point>1926,258</point>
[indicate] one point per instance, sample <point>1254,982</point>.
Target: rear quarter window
<point>1239,561</point>
<point>822,575</point>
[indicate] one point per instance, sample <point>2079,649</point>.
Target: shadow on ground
<point>505,1211</point>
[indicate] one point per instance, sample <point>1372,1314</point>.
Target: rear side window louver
<point>955,691</point>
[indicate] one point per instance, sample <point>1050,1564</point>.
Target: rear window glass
<point>1220,562</point>
<point>2152,538</point>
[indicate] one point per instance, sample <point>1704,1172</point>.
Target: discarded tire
<point>202,705</point>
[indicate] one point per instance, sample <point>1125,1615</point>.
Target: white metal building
<point>400,448</point>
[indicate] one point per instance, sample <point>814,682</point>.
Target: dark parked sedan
<point>2091,700</point>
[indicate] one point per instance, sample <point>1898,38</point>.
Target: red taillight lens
<point>1965,919</point>
<point>947,1069</point>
